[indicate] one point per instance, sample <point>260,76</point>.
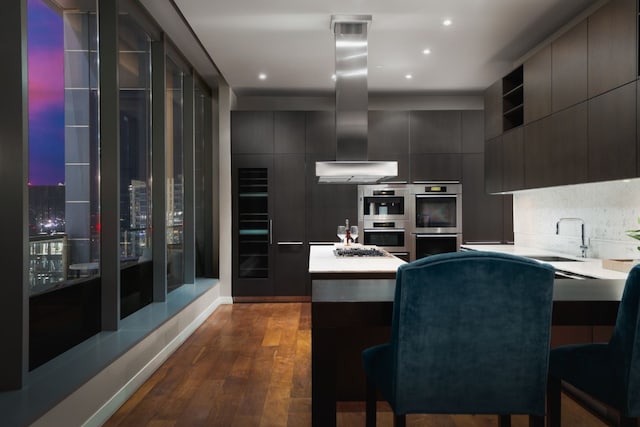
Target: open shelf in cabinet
<point>513,99</point>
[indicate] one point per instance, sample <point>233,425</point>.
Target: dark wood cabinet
<point>251,132</point>
<point>537,148</point>
<point>513,160</point>
<point>567,157</point>
<point>321,133</point>
<point>269,245</point>
<point>569,68</point>
<point>493,165</point>
<point>612,46</point>
<point>493,110</point>
<point>289,132</point>
<point>472,131</point>
<point>291,260</point>
<point>537,85</point>
<point>328,205</point>
<point>482,214</point>
<point>612,141</point>
<point>436,167</point>
<point>435,132</point>
<point>389,140</point>
<point>507,215</point>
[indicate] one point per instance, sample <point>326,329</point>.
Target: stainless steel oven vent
<point>352,100</point>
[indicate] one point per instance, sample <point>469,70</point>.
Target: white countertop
<point>323,260</point>
<point>586,266</point>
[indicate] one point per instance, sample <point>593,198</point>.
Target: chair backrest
<point>470,334</point>
<point>625,344</point>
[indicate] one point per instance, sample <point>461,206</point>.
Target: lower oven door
<point>432,244</point>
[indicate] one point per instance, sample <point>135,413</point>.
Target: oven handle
<point>427,196</point>
<point>384,230</point>
<point>423,236</point>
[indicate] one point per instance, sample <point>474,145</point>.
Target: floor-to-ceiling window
<point>174,175</point>
<point>64,209</point>
<point>203,181</point>
<point>136,280</point>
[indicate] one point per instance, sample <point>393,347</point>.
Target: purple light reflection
<point>45,56</point>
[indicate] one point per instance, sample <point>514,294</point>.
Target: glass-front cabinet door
<point>252,226</point>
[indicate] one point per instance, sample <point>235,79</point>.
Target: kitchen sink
<point>553,258</point>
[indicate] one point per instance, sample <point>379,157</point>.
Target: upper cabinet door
<point>569,68</point>
<point>537,85</point>
<point>252,132</point>
<point>472,131</point>
<point>289,132</point>
<point>389,140</point>
<point>435,132</point>
<point>612,46</point>
<point>612,135</point>
<point>493,110</point>
<point>321,133</point>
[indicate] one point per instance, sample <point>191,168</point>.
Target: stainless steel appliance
<point>438,208</point>
<point>384,214</point>
<point>437,218</point>
<point>391,236</point>
<point>411,220</point>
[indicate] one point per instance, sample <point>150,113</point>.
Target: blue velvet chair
<point>470,335</point>
<point>609,372</point>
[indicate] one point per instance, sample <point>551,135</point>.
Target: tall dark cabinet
<point>270,244</point>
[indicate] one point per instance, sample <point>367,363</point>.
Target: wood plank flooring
<point>250,365</point>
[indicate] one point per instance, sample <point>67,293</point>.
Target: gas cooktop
<point>359,252</point>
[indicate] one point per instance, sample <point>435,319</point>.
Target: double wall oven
<point>411,220</point>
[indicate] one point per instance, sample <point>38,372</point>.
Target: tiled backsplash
<point>608,210</point>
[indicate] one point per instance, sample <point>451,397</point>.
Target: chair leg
<point>399,420</point>
<point>554,415</point>
<point>504,420</point>
<point>371,404</point>
<point>536,420</point>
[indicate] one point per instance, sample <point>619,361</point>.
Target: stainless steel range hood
<point>352,99</point>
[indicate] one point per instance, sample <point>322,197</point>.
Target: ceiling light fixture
<point>426,51</point>
<point>333,77</point>
<point>262,76</point>
<point>408,76</point>
<point>447,22</point>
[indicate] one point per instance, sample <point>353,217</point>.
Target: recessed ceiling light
<point>426,51</point>
<point>333,77</point>
<point>447,22</point>
<point>408,76</point>
<point>262,76</point>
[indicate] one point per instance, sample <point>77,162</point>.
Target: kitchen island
<point>351,309</point>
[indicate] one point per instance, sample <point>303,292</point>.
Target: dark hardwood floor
<point>250,365</point>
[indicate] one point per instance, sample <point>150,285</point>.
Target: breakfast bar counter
<point>351,308</point>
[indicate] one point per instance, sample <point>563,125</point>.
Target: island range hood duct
<point>352,99</point>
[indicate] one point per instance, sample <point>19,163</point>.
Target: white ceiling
<point>291,42</point>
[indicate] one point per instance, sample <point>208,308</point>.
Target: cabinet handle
<point>290,243</point>
<point>271,232</point>
<point>322,243</point>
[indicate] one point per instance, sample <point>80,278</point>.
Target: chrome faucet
<point>583,246</point>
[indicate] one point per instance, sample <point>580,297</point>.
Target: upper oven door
<point>437,213</point>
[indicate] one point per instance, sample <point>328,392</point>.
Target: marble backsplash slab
<point>608,210</point>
